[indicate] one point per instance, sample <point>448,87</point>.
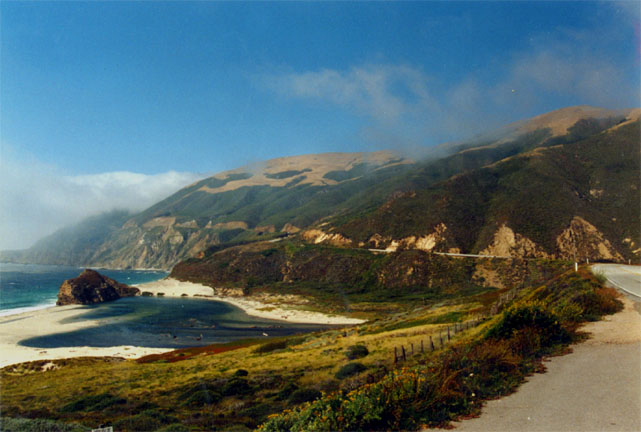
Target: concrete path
<point>595,388</point>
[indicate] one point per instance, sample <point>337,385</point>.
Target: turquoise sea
<point>25,287</point>
<point>153,322</point>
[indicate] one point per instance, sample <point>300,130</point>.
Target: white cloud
<point>405,107</point>
<point>36,199</point>
<point>384,92</point>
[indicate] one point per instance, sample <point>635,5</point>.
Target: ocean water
<point>153,322</point>
<point>25,287</point>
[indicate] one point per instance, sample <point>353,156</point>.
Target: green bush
<point>271,346</point>
<point>258,413</point>
<point>304,395</point>
<point>241,373</point>
<point>598,302</point>
<point>531,315</point>
<point>236,387</point>
<point>356,351</point>
<point>202,398</point>
<point>174,427</point>
<point>93,403</point>
<point>350,369</point>
<point>147,294</point>
<point>286,391</point>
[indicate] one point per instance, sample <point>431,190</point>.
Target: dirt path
<point>595,388</point>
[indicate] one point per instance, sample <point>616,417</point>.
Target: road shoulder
<point>597,387</point>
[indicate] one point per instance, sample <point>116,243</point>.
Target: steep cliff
<point>293,266</point>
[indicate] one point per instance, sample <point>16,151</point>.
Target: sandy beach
<point>273,307</point>
<point>14,328</point>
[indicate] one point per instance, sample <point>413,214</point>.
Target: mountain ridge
<point>283,196</point>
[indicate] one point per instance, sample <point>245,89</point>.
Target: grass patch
<point>457,380</point>
<point>201,391</point>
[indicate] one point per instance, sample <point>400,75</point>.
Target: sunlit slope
<point>569,197</point>
<point>350,190</point>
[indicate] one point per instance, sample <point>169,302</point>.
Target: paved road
<point>450,254</point>
<point>626,278</point>
<point>595,388</point>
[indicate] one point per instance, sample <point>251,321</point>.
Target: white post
<point>576,266</point>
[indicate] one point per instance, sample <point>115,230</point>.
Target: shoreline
<point>273,307</point>
<point>43,320</point>
<point>25,309</point>
<point>51,320</point>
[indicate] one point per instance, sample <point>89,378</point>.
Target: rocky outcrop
<point>582,240</point>
<point>437,240</point>
<point>507,243</point>
<point>317,236</point>
<point>92,287</point>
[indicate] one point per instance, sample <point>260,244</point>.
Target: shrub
<point>286,391</point>
<point>304,395</point>
<point>93,403</point>
<point>258,413</point>
<point>202,398</point>
<point>350,369</point>
<point>532,315</point>
<point>147,294</point>
<point>599,302</point>
<point>271,346</point>
<point>236,387</point>
<point>241,373</point>
<point>356,351</point>
<point>160,294</point>
<point>601,278</point>
<point>175,427</point>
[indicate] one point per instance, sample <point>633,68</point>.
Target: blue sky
<point>157,93</point>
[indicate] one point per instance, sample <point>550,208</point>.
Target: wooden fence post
<point>448,333</point>
<point>422,346</point>
<point>431,343</point>
<point>412,345</point>
<point>440,335</point>
<point>395,356</point>
<point>403,351</point>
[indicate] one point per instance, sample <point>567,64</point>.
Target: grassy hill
<point>339,379</point>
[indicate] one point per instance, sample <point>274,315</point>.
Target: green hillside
<point>536,194</point>
<point>534,180</point>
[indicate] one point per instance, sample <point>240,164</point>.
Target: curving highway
<point>624,277</point>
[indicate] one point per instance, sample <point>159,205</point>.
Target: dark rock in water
<point>92,287</point>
